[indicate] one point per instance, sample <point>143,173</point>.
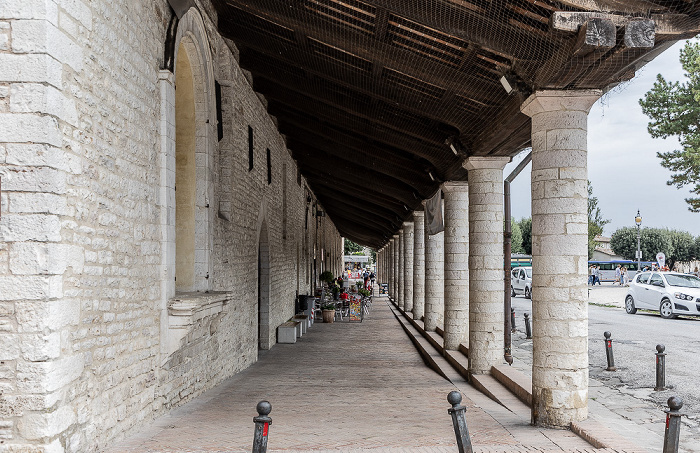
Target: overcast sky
<point>622,165</point>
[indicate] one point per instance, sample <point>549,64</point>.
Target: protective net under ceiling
<point>401,91</point>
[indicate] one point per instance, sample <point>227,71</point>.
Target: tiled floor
<point>342,386</point>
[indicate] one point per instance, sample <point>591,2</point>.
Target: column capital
<point>418,214</point>
<point>455,186</point>
<point>493,162</point>
<point>407,224</point>
<point>560,100</point>
<point>396,236</point>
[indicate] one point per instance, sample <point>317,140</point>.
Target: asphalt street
<point>634,344</point>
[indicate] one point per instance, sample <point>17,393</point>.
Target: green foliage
<point>352,248</point>
<point>516,240</point>
<point>696,248</point>
<point>674,111</point>
<point>525,225</point>
<point>683,245</point>
<point>326,276</point>
<point>595,221</point>
<point>676,245</point>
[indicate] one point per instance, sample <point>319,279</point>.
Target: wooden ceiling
<point>370,93</point>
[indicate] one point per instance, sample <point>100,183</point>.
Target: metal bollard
<point>464,444</point>
<point>660,368</point>
<point>262,424</point>
<point>528,329</point>
<point>512,320</point>
<point>609,352</point>
<point>672,433</point>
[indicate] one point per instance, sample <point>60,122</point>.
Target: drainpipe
<point>507,338</point>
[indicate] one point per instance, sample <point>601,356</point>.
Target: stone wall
<point>93,340</point>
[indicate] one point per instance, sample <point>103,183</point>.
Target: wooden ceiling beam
<point>396,140</point>
<point>368,206</point>
<point>340,155</point>
<point>286,96</point>
<point>356,173</point>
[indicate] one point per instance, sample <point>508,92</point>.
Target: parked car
<point>521,281</point>
<point>669,293</point>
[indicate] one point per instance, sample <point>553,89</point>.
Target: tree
<point>595,221</point>
<point>674,110</point>
<point>516,238</point>
<point>352,247</point>
<point>526,233</point>
<point>683,246</point>
<point>696,248</point>
<point>653,240</point>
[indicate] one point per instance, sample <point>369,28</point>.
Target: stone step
<point>515,381</point>
<point>491,387</point>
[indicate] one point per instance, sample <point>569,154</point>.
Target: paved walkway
<point>343,387</point>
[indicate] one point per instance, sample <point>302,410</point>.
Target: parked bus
<point>518,260</point>
<point>607,268</point>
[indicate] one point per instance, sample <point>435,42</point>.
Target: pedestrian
<point>591,274</point>
<point>623,276</point>
<point>596,276</point>
<point>696,272</point>
<point>618,274</point>
<point>372,277</point>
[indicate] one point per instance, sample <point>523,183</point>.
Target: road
<point>634,344</point>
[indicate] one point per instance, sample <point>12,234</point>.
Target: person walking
<point>623,276</point>
<point>596,275</point>
<point>591,275</point>
<point>618,274</point>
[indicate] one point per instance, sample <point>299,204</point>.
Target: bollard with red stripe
<point>609,352</point>
<point>262,425</point>
<point>672,433</point>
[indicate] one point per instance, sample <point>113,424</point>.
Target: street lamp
<point>638,221</point>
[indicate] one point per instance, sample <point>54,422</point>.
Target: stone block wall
<point>84,274</point>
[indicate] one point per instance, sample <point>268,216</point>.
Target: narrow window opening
<point>219,113</point>
<point>250,148</point>
<point>269,166</point>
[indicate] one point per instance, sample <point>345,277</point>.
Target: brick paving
<point>341,387</point>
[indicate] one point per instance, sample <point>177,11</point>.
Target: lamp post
<point>638,221</point>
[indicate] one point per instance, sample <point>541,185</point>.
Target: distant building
<point>603,251</point>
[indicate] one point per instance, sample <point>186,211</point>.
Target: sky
<point>622,165</point>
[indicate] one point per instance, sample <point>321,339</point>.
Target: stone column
<point>418,264</point>
<point>395,271</point>
<point>434,280</point>
<point>485,262</point>
<point>456,263</point>
<point>399,271</point>
<point>408,267</point>
<point>559,254</point>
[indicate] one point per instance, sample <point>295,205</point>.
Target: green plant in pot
<point>328,311</point>
<point>336,291</point>
<point>364,292</point>
<point>326,277</point>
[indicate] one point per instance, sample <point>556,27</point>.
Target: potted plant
<point>336,291</point>
<point>326,277</point>
<point>364,292</point>
<point>328,311</point>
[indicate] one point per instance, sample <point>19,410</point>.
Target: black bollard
<point>262,424</point>
<point>672,433</point>
<point>660,368</point>
<point>609,352</point>
<point>528,329</point>
<point>464,444</point>
<point>512,320</point>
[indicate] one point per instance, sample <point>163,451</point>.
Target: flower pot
<point>328,315</point>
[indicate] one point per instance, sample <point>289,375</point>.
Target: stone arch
<point>264,278</point>
<point>195,141</point>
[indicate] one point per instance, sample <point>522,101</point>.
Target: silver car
<point>669,293</point>
<point>521,281</point>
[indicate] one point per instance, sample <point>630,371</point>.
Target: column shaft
<point>408,267</point>
<point>559,255</point>
<point>395,272</point>
<point>456,264</point>
<point>485,262</point>
<point>399,270</point>
<point>434,280</point>
<point>418,264</point>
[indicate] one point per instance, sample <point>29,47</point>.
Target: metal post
<point>512,320</point>
<point>464,444</point>
<point>672,433</point>
<point>660,368</point>
<point>609,352</point>
<point>262,424</point>
<point>528,330</point>
<point>507,238</point>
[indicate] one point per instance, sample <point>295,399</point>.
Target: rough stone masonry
<point>104,190</point>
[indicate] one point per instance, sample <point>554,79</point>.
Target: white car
<point>521,281</point>
<point>669,293</point>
